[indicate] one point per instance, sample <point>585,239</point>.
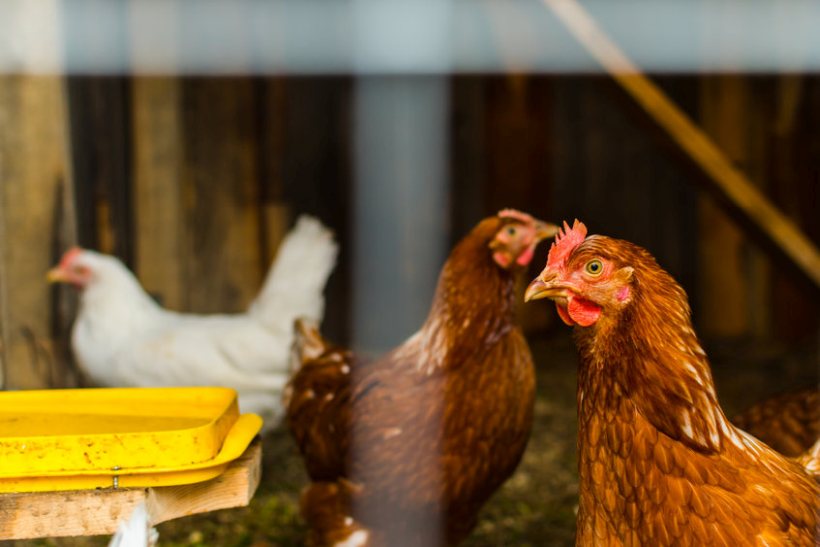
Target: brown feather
<point>789,423</point>
<point>429,431</point>
<point>691,477</point>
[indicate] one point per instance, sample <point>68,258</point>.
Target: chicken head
<point>585,281</point>
<point>73,268</point>
<point>515,242</point>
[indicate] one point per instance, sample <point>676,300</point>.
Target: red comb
<point>566,241</point>
<point>515,214</point>
<point>69,256</point>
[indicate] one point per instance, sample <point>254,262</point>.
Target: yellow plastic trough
<point>120,437</point>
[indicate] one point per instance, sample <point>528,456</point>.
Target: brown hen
<point>659,463</point>
<point>789,423</point>
<point>406,449</point>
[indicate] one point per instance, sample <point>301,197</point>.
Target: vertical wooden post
<point>197,219</point>
<point>734,276</point>
<point>517,172</point>
<point>158,157</point>
<point>100,116</point>
<point>220,194</point>
<point>793,154</point>
<point>316,173</point>
<point>270,130</point>
<point>5,333</point>
<point>33,165</point>
<point>467,165</point>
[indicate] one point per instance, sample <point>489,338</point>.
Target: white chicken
<point>123,338</point>
<point>136,531</point>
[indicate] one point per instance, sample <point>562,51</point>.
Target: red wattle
<point>562,313</point>
<point>501,259</point>
<point>583,312</point>
<point>526,256</point>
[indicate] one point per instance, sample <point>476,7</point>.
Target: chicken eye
<point>511,231</point>
<point>594,267</point>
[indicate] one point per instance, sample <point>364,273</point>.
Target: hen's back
<point>317,401</point>
<point>789,423</point>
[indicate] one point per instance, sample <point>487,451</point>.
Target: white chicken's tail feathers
<point>136,531</point>
<point>296,280</point>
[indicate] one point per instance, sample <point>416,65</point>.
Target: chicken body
<point>789,423</point>
<point>122,337</point>
<point>659,463</point>
<point>404,450</point>
<point>136,530</point>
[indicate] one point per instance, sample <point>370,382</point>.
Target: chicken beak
<point>545,230</point>
<point>536,290</point>
<point>56,275</point>
<point>544,286</point>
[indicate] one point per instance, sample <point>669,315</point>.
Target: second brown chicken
<point>405,450</point>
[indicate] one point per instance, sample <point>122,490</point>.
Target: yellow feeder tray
<point>120,437</point>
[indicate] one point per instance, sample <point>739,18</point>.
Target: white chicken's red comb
<point>69,257</point>
<point>515,214</point>
<point>566,241</point>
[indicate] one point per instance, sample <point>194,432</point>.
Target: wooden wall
<point>793,166</point>
<point>742,281</point>
<point>213,185</point>
<point>194,181</point>
<point>35,219</point>
<point>613,173</point>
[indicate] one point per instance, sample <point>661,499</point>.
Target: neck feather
<point>651,356</point>
<point>117,293</point>
<point>473,306</point>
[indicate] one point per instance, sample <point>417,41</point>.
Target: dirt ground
<point>536,506</point>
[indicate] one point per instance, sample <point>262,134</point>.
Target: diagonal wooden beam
<point>729,181</point>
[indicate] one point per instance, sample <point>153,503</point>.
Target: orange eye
<point>594,267</point>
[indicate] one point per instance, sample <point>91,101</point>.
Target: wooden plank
<point>94,512</point>
<point>515,127</point>
<point>220,195</point>
<point>467,165</point>
<point>99,108</point>
<point>55,514</point>
<point>233,488</point>
<point>276,223</point>
<point>516,121</point>
<point>5,322</point>
<point>733,292</point>
<point>793,150</point>
<point>158,157</point>
<point>316,175</point>
<point>33,167</point>
<point>726,179</point>
<point>608,170</point>
<point>271,137</point>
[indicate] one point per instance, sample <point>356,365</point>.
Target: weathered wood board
<point>734,294</point>
<point>96,512</point>
<point>33,180</point>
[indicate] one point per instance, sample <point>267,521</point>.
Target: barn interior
<point>192,168</point>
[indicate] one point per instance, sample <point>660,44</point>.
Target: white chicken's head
<point>80,267</point>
